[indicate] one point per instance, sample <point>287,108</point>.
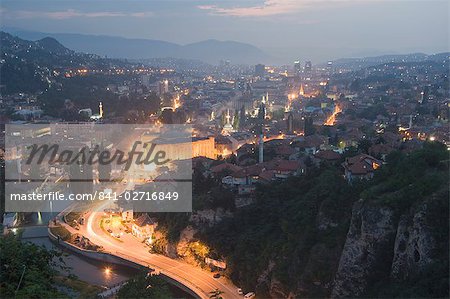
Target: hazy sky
<point>288,29</point>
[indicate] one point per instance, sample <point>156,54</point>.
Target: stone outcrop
<point>381,245</point>
<point>414,244</point>
<point>367,249</point>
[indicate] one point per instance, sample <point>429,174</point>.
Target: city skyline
<point>287,30</point>
<point>224,149</point>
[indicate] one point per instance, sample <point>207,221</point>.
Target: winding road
<point>198,280</point>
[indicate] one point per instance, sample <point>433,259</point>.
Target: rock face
<point>414,244</point>
<point>381,246</point>
<point>366,251</point>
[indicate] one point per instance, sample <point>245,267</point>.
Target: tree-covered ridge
<point>298,226</point>
<point>408,178</point>
<point>32,66</point>
<point>291,240</point>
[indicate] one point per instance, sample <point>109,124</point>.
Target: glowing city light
<point>332,119</point>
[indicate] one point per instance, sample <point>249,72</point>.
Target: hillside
<point>315,236</point>
<point>210,51</point>
<point>360,63</point>
<point>28,66</point>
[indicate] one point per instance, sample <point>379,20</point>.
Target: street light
<point>21,277</point>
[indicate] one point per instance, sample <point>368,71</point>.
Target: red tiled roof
<point>252,170</point>
<point>267,175</point>
<point>225,166</point>
<point>360,157</point>
<point>328,155</point>
<point>284,150</point>
<point>360,168</point>
<point>144,219</point>
<point>361,164</point>
<point>284,165</point>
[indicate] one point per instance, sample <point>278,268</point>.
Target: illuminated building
<point>182,148</point>
<point>100,113</point>
<point>227,128</point>
<point>163,87</point>
<point>360,167</point>
<point>143,227</point>
<point>297,67</point>
<point>330,66</point>
<point>308,66</point>
<point>302,91</point>
<point>203,147</point>
<point>265,99</point>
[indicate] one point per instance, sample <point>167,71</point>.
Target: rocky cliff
<point>394,248</point>
<point>366,251</point>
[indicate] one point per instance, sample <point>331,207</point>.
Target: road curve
<point>198,280</point>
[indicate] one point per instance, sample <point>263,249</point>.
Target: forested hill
<point>316,236</point>
<point>32,66</point>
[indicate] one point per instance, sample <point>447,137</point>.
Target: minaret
<point>261,116</point>
<point>228,117</point>
<point>227,128</point>
<point>302,92</point>
<point>261,147</point>
<point>100,109</point>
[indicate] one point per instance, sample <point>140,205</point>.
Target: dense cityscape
<point>308,179</point>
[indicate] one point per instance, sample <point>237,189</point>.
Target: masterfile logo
<point>52,166</point>
<point>97,155</point>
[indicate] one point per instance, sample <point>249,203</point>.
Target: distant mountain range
<point>210,51</point>
<point>360,63</point>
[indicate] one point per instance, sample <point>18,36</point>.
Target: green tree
<point>236,119</point>
<point>242,118</point>
<point>26,270</point>
<point>364,145</point>
<point>145,286</point>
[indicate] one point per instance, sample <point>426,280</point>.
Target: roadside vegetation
<point>61,231</point>
<point>26,270</point>
<point>145,286</point>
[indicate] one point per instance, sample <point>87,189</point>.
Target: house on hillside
<point>143,227</point>
<point>285,168</point>
<point>224,168</point>
<point>360,167</point>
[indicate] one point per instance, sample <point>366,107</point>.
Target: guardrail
<point>111,290</point>
<point>125,260</point>
<point>173,276</point>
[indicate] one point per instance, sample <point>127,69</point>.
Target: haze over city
<point>286,30</point>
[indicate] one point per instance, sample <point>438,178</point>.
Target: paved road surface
<point>132,249</point>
